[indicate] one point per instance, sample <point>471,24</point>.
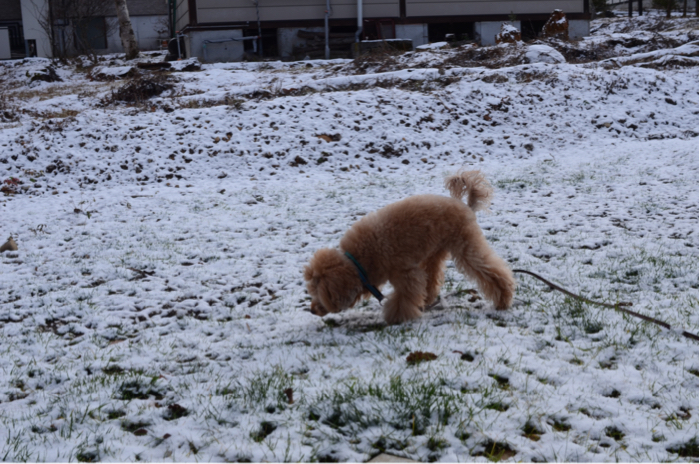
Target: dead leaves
<point>417,357</point>
<point>330,138</point>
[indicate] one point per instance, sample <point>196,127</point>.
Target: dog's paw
<point>436,305</point>
<point>397,315</point>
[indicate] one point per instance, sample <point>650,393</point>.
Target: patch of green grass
<point>436,444</point>
<point>336,419</point>
<point>226,391</point>
<point>462,434</point>
<point>503,382</point>
<point>531,431</point>
<point>140,389</point>
<point>559,425</point>
<point>267,387</point>
<point>115,414</point>
<point>384,443</point>
<point>497,406</point>
<point>404,404</point>
<point>573,308</point>
<point>87,456</point>
<point>608,364</point>
<point>113,369</point>
<point>174,412</point>
<point>376,327</point>
<point>515,183</point>
<point>614,433</point>
<point>132,427</point>
<point>581,315</point>
<point>265,430</point>
<point>313,415</point>
<point>497,451</point>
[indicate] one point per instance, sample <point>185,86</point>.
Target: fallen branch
<point>616,307</point>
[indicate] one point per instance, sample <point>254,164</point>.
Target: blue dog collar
<point>363,277</point>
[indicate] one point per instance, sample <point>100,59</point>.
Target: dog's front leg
<point>409,294</point>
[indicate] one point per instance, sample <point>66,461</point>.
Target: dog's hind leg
<point>409,294</point>
<point>475,259</point>
<point>434,268</point>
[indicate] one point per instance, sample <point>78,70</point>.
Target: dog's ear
<point>322,262</point>
<point>340,290</point>
<point>328,294</point>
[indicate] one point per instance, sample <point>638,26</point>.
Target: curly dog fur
<point>406,243</point>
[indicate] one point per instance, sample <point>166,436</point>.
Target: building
<point>11,20</point>
<point>50,28</point>
<point>225,30</point>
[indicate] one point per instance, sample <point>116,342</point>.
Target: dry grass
<point>43,93</point>
<point>377,60</point>
<point>489,57</point>
<point>61,114</point>
<point>205,103</point>
<point>139,89</point>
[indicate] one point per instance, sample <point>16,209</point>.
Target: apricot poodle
<point>406,243</point>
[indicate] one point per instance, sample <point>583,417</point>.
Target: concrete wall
<point>287,39</point>
<point>579,28</point>
<point>485,31</point>
<point>418,33</point>
<point>32,12</point>
<point>149,31</point>
<point>219,52</point>
<point>5,53</point>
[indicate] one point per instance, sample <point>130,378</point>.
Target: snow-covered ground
<point>155,307</point>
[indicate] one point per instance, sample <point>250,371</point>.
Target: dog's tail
<point>474,185</point>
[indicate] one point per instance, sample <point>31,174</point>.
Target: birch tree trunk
<point>126,32</point>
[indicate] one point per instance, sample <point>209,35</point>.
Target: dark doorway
<point>530,30</point>
<point>438,32</point>
<point>378,29</point>
<point>269,41</point>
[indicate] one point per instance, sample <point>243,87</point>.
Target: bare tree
<point>667,5</point>
<point>126,32</point>
<point>599,6</point>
